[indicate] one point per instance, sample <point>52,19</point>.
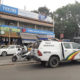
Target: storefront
<point>29,35</point>
<point>18,35</point>
<point>9,34</point>
<point>20,26</point>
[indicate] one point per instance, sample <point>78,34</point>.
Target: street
<point>66,71</point>
<point>5,58</point>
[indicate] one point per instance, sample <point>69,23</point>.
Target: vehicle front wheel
<point>53,61</point>
<point>4,53</point>
<point>14,59</point>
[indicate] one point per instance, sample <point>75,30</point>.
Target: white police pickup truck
<point>51,53</point>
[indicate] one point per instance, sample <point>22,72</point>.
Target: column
<point>18,24</point>
<point>35,27</point>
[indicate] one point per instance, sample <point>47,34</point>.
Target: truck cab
<point>53,52</point>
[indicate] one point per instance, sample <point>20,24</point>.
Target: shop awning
<point>28,36</point>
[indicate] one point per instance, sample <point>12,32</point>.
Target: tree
<point>35,11</point>
<point>67,20</point>
<point>44,10</point>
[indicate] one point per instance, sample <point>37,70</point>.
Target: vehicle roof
<point>58,41</point>
<point>68,42</point>
<point>14,45</point>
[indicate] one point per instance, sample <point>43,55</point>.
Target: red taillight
<point>39,53</point>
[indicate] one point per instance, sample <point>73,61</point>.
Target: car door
<point>11,49</point>
<point>68,51</point>
<point>76,50</point>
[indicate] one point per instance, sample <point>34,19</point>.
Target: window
<point>36,44</point>
<point>11,47</point>
<point>67,45</point>
<point>76,46</point>
<point>18,47</point>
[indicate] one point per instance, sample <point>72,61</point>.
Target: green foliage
<point>44,10</point>
<point>67,20</point>
<point>35,11</point>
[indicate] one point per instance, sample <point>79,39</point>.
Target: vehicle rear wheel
<point>54,62</point>
<point>4,53</point>
<point>14,59</point>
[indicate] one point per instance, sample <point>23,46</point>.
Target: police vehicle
<point>51,53</point>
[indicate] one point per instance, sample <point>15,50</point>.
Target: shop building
<point>18,26</point>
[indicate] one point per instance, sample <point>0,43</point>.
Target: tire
<point>53,62</point>
<point>4,53</point>
<point>14,59</point>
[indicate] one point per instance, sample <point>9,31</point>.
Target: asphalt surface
<point>66,71</point>
<point>6,57</point>
<point>7,60</point>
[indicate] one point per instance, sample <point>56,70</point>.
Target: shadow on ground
<point>32,67</point>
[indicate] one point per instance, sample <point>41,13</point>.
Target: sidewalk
<point>9,62</point>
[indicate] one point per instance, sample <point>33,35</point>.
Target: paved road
<point>66,71</point>
<point>5,58</point>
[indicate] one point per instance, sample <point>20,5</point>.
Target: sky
<point>30,5</point>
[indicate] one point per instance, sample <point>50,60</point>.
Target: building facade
<point>19,26</point>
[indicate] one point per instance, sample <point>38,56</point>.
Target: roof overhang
<point>24,19</point>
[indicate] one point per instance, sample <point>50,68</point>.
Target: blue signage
<point>42,17</point>
<point>8,9</point>
<point>36,31</point>
<point>10,26</point>
<point>29,30</point>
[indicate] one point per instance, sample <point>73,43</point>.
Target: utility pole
<point>10,35</point>
<point>53,26</point>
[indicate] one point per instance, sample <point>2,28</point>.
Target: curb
<point>6,62</point>
<point>20,62</point>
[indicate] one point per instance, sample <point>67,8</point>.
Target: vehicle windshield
<point>4,46</point>
<point>9,46</point>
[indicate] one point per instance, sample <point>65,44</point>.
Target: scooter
<point>20,55</point>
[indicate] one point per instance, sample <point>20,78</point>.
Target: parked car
<point>7,50</point>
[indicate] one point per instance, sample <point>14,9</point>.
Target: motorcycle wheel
<point>14,59</point>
